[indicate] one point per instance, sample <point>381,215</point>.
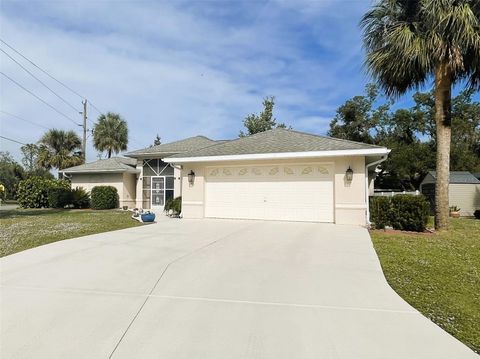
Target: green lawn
<point>27,228</point>
<point>438,274</point>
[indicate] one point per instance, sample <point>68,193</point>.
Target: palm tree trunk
<point>443,120</point>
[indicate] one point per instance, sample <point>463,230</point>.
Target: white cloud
<point>182,68</point>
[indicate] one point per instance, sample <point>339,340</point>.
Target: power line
<point>9,139</point>
<point>40,99</point>
<point>36,78</point>
<point>23,119</point>
<point>51,76</point>
<point>45,72</point>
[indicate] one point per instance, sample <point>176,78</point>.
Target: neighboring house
<point>463,191</point>
<point>274,175</point>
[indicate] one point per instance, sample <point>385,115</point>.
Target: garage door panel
<point>286,196</point>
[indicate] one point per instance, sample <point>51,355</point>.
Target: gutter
<point>367,199</point>
<point>283,155</point>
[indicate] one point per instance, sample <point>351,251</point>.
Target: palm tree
<point>411,42</point>
<point>59,149</point>
<point>110,133</point>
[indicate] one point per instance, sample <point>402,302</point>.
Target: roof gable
<point>278,140</point>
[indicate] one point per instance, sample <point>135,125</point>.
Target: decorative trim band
<point>350,206</point>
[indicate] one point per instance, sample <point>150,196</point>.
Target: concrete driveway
<point>212,289</point>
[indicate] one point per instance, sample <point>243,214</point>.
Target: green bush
<point>410,213</point>
<point>33,192</point>
<point>174,204</point>
<point>380,211</point>
<point>104,197</point>
<point>402,212</point>
<point>60,197</point>
<point>81,198</point>
<point>477,214</point>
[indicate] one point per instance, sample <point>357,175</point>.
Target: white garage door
<point>271,192</point>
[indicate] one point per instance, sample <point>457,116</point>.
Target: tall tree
<point>410,41</point>
<point>110,134</point>
<point>30,161</point>
<point>262,122</point>
<point>10,174</point>
<point>59,149</point>
<point>356,119</point>
<point>465,146</point>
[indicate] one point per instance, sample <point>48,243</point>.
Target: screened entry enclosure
<point>158,181</point>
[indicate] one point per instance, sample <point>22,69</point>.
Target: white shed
<point>463,191</point>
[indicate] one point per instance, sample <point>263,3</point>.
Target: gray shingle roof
<point>458,177</point>
<point>278,140</point>
<point>114,164</point>
<point>167,149</point>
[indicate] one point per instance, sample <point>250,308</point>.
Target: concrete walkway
<point>212,289</point>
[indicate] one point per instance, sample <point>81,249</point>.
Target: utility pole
<point>84,143</point>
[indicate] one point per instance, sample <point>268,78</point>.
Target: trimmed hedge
<point>402,212</point>
<point>380,211</point>
<point>104,197</point>
<point>34,191</point>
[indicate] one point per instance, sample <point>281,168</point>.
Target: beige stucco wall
<point>117,180</point>
<point>349,198</point>
<point>465,196</point>
<point>129,190</point>
<point>350,203</point>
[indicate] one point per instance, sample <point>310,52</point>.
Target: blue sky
<point>182,68</point>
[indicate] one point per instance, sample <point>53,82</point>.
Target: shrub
<point>410,213</point>
<point>174,204</point>
<point>81,198</point>
<point>33,192</point>
<point>380,211</point>
<point>477,214</point>
<point>104,197</point>
<point>60,197</point>
<point>402,212</point>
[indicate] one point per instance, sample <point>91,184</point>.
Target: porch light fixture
<point>191,177</point>
<point>349,174</point>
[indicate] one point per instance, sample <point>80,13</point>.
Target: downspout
<point>375,163</point>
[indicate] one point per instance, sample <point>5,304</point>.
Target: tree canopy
<point>59,149</point>
<point>110,134</point>
<point>262,122</point>
<point>410,134</point>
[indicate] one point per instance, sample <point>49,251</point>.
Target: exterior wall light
<point>349,174</point>
<point>191,177</point>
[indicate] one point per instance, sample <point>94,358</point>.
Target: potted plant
<point>454,212</point>
<point>148,216</point>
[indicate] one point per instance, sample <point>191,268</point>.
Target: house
<point>463,191</point>
<point>278,174</point>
